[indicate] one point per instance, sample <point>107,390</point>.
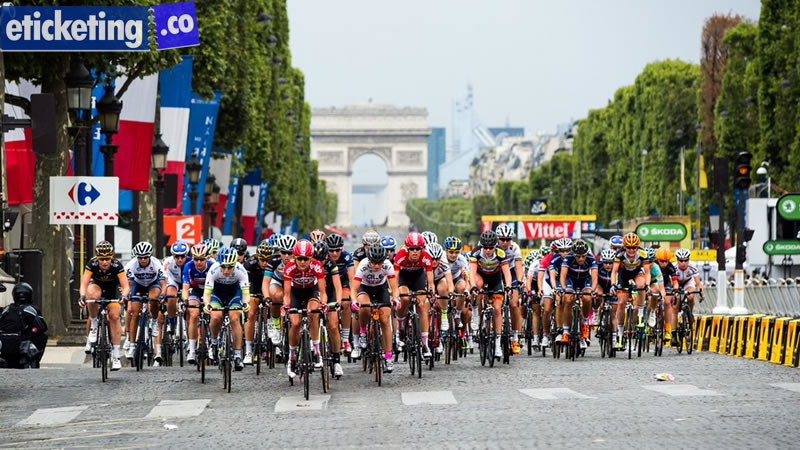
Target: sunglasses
<point>334,250</point>
<point>504,239</point>
<point>179,256</point>
<point>662,261</point>
<point>683,260</point>
<point>142,258</point>
<point>489,248</point>
<point>631,248</point>
<point>414,249</point>
<point>227,266</point>
<point>263,259</point>
<point>285,253</point>
<point>301,258</point>
<point>453,252</point>
<point>104,259</point>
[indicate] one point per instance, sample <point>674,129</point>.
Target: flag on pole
<point>135,136</point>
<point>703,178</point>
<point>250,196</point>
<point>220,167</point>
<point>202,124</point>
<point>176,93</point>
<point>20,159</point>
<point>683,179</point>
<point>233,191</point>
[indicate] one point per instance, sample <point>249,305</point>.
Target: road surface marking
<point>292,404</point>
<point>794,387</point>
<point>429,398</point>
<point>178,408</point>
<point>52,416</point>
<point>553,393</point>
<point>681,390</point>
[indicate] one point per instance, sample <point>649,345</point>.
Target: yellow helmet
<point>104,249</point>
<point>631,240</point>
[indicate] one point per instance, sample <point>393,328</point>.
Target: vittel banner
<point>97,28</point>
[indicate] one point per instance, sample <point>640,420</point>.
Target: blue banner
<point>175,25</point>
<point>202,122</point>
<point>262,203</point>
<point>233,192</point>
<point>292,227</point>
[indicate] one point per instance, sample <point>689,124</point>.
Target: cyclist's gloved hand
<point>396,303</point>
<point>354,306</point>
<point>474,289</point>
<point>246,307</point>
<point>207,308</point>
<point>82,301</point>
<point>285,308</point>
<point>161,298</point>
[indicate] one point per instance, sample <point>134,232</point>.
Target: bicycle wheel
<point>529,331</point>
<point>631,327</point>
<point>491,337</point>
<point>181,341</point>
<point>258,351</point>
<point>170,344</point>
<point>102,347</point>
<point>325,374</point>
<point>229,358</point>
<point>305,351</point>
<point>377,352</point>
<point>418,346</point>
<point>140,342</point>
<point>689,333</point>
<point>411,344</point>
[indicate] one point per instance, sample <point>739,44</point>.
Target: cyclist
<point>371,237</point>
<point>615,242</point>
<point>604,287</point>
<point>375,276</point>
<point>173,270</point>
<point>668,271</point>
<point>102,276</point>
<point>443,284</point>
<point>148,281</point>
<point>273,283</point>
<point>414,268</point>
<point>333,286</point>
<point>546,292</point>
<point>630,267</point>
<point>240,245</point>
<point>194,281</point>
<point>303,288</point>
<point>656,284</point>
<point>316,236</point>
<point>430,237</point>
<point>344,260</point>
<point>227,285</point>
<point>563,249</point>
<point>459,270</point>
<point>213,248</point>
<point>390,245</point>
<point>255,268</point>
<point>505,236</point>
<point>489,270</point>
<point>687,275</point>
<point>578,274</point>
<point>531,267</point>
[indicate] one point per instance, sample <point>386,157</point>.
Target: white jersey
<point>513,253</point>
<point>173,271</point>
<point>369,277</point>
<point>441,269</point>
<point>685,276</point>
<point>144,276</point>
<point>238,278</point>
<point>459,267</point>
<point>533,269</point>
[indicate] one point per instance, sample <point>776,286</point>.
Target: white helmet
<point>435,250</point>
<point>683,253</point>
<point>142,249</point>
<point>286,243</point>
<point>429,237</point>
<point>504,231</point>
<point>371,237</point>
<point>607,255</point>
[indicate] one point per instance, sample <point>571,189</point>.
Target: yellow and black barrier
<point>754,336</point>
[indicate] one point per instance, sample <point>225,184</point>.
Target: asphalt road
<point>715,402</point>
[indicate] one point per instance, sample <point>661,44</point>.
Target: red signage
<point>185,228</point>
<point>547,230</point>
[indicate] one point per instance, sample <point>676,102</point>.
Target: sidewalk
<point>55,355</point>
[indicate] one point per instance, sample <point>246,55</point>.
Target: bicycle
<point>459,342</point>
<point>605,328</point>
<point>413,334</point>
<point>686,320</point>
<point>372,356</point>
<point>144,338</point>
<point>202,342</point>
<point>434,331</point>
<point>225,350</point>
<point>488,333</point>
<point>305,364</point>
<point>528,302</point>
<point>102,348</point>
<point>451,337</point>
<point>261,343</point>
<point>180,342</point>
<point>632,334</point>
<point>324,353</point>
<point>167,342</point>
<point>576,332</point>
<point>505,334</point>
<point>656,333</point>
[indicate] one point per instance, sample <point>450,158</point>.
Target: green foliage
<point>445,217</point>
<point>512,197</point>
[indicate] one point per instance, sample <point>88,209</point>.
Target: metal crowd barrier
<point>774,297</point>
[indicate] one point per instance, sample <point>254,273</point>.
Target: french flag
<point>20,159</point>
<point>250,199</point>
<point>176,93</point>
<point>220,167</point>
<point>135,137</point>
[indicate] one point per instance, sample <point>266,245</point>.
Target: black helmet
<point>376,253</point>
<point>320,250</point>
<point>580,247</point>
<point>22,293</point>
<point>488,238</point>
<point>240,245</point>
<point>334,241</point>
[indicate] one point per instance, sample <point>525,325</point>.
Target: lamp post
<point>763,171</point>
<point>159,159</point>
<point>213,211</point>
<point>208,204</point>
<point>697,193</point>
<point>108,110</point>
<point>641,183</point>
<point>193,168</point>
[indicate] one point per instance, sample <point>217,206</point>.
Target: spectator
<point>23,331</point>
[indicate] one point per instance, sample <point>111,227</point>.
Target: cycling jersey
<point>275,267</point>
<point>604,278</point>
<point>345,262</point>
<point>359,254</point>
<point>578,271</point>
<point>669,273</point>
<point>331,269</point>
<point>631,265</point>
<point>304,279</point>
<point>106,280</point>
<point>227,286</point>
<point>173,272</point>
<point>370,277</point>
<point>255,274</point>
<point>655,274</point>
<point>402,262</point>
<point>441,270</point>
<point>195,278</point>
<point>686,277</point>
<point>459,268</point>
<point>555,265</point>
<point>490,264</point>
<point>144,276</point>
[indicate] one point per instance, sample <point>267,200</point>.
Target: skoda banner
<point>661,231</point>
<point>789,206</point>
<point>782,247</point>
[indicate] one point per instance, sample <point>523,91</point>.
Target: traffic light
<point>741,176</point>
<point>741,255</point>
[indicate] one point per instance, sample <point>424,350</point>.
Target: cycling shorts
<point>414,280</point>
<point>626,276</point>
<point>107,290</point>
<point>234,302</point>
<point>301,296</point>
<point>577,284</point>
<point>547,291</point>
<point>492,282</point>
<point>689,285</point>
<point>173,283</point>
<point>144,291</point>
<point>195,295</point>
<point>378,295</point>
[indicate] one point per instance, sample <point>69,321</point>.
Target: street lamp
<point>193,168</point>
<point>108,110</point>
<point>213,211</point>
<point>159,161</point>
<point>208,204</point>
<point>79,86</point>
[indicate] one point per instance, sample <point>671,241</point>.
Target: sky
<point>532,63</point>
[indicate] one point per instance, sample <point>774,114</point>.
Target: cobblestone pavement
<point>715,401</point>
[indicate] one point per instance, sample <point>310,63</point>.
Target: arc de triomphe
<point>339,136</point>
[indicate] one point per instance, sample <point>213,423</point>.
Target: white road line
<point>794,387</point>
<point>293,404</point>
<point>429,398</point>
<point>178,408</point>
<point>681,390</point>
<point>52,416</point>
<point>553,393</point>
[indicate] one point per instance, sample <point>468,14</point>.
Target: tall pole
<point>738,289</point>
<point>108,170</point>
<point>722,277</point>
<point>697,194</point>
<point>160,215</point>
<point>641,183</point>
<point>681,184</point>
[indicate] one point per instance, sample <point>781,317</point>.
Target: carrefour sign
<point>97,28</point>
<point>84,200</point>
<point>661,231</point>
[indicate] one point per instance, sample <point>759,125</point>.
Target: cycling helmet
<point>179,248</point>
<point>22,293</point>
<point>388,243</point>
<point>663,254</point>
<point>213,245</point>
<point>631,240</point>
<point>376,253</point>
<point>316,235</point>
<point>200,250</point>
<point>321,250</point>
<point>273,239</point>
<point>227,256</point>
<point>580,247</point>
<point>104,249</point>
<point>504,231</point>
<point>303,247</point>
<point>530,258</point>
<point>240,245</point>
<point>435,250</point>
<point>264,249</point>
<point>616,241</point>
<point>371,237</point>
<point>607,256</point>
<point>682,253</point>
<point>334,241</point>
<point>429,236</point>
<point>142,249</point>
<point>453,243</point>
<point>544,251</point>
<point>488,239</point>
<point>554,246</point>
<point>414,239</point>
<point>564,244</point>
<point>651,254</point>
<point>286,243</point>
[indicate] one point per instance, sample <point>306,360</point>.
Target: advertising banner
<point>84,200</point>
<point>188,229</point>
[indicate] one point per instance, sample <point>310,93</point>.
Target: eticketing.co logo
<point>98,28</point>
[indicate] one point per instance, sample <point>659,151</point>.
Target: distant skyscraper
<point>498,133</point>
<point>437,150</point>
